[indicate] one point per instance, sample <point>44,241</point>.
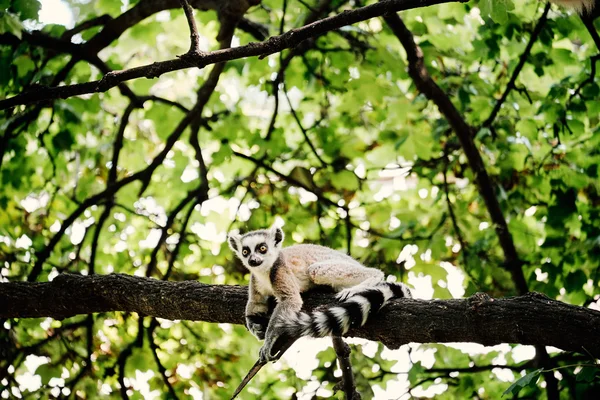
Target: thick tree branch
<point>273,45</point>
<point>532,319</point>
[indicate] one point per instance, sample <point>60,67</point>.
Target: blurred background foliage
<point>333,140</point>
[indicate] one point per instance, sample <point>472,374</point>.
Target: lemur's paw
<point>265,354</point>
<point>349,292</point>
<point>258,330</point>
<point>257,325</point>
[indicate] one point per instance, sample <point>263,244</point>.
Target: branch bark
<point>532,319</point>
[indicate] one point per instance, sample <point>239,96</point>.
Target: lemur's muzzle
<point>254,261</point>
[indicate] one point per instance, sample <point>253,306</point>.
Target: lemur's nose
<point>254,262</point>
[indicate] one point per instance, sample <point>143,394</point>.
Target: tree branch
<point>464,132</point>
<point>273,45</point>
<point>532,319</point>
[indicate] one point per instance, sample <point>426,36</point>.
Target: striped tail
<point>338,319</point>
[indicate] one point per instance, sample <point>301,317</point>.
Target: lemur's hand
<point>257,325</point>
<point>265,351</point>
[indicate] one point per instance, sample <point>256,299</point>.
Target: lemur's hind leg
<point>346,278</point>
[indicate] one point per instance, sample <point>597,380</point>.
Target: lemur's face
<point>257,249</point>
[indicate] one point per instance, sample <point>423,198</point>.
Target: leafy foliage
<point>331,136</point>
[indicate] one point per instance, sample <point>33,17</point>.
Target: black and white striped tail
<point>351,313</point>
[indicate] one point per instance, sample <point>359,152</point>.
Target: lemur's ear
<point>277,235</point>
<point>234,241</point>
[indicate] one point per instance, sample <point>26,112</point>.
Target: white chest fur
<point>263,283</point>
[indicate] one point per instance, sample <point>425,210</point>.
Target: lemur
<point>286,272</point>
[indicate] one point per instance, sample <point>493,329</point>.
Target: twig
<point>194,36</point>
<point>590,79</point>
<point>304,132</point>
<point>90,23</point>
<point>512,82</point>
<point>342,350</point>
<point>588,21</point>
<point>161,368</point>
<point>201,195</point>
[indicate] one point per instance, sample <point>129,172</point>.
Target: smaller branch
<point>282,22</point>
<point>464,250</point>
<point>194,36</point>
<point>588,21</point>
<point>101,20</point>
<point>587,81</point>
<point>161,368</point>
<point>258,31</point>
<point>480,368</point>
<point>313,10</point>
<point>201,195</point>
<point>304,132</point>
<point>203,169</point>
<point>413,238</point>
<point>118,143</point>
<point>289,179</point>
<point>512,82</point>
<point>342,350</point>
<point>175,253</point>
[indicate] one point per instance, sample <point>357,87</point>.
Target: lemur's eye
<point>263,249</point>
<point>245,252</point>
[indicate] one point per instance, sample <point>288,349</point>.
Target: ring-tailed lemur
<point>286,272</point>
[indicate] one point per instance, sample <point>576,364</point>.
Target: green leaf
<point>345,180</point>
<point>303,176</point>
<point>24,65</point>
<point>575,281</point>
<point>112,7</point>
<point>27,9</point>
<point>527,127</point>
<point>9,23</point>
<point>530,378</point>
<point>497,10</point>
<point>587,374</point>
<point>48,371</point>
<point>62,140</point>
